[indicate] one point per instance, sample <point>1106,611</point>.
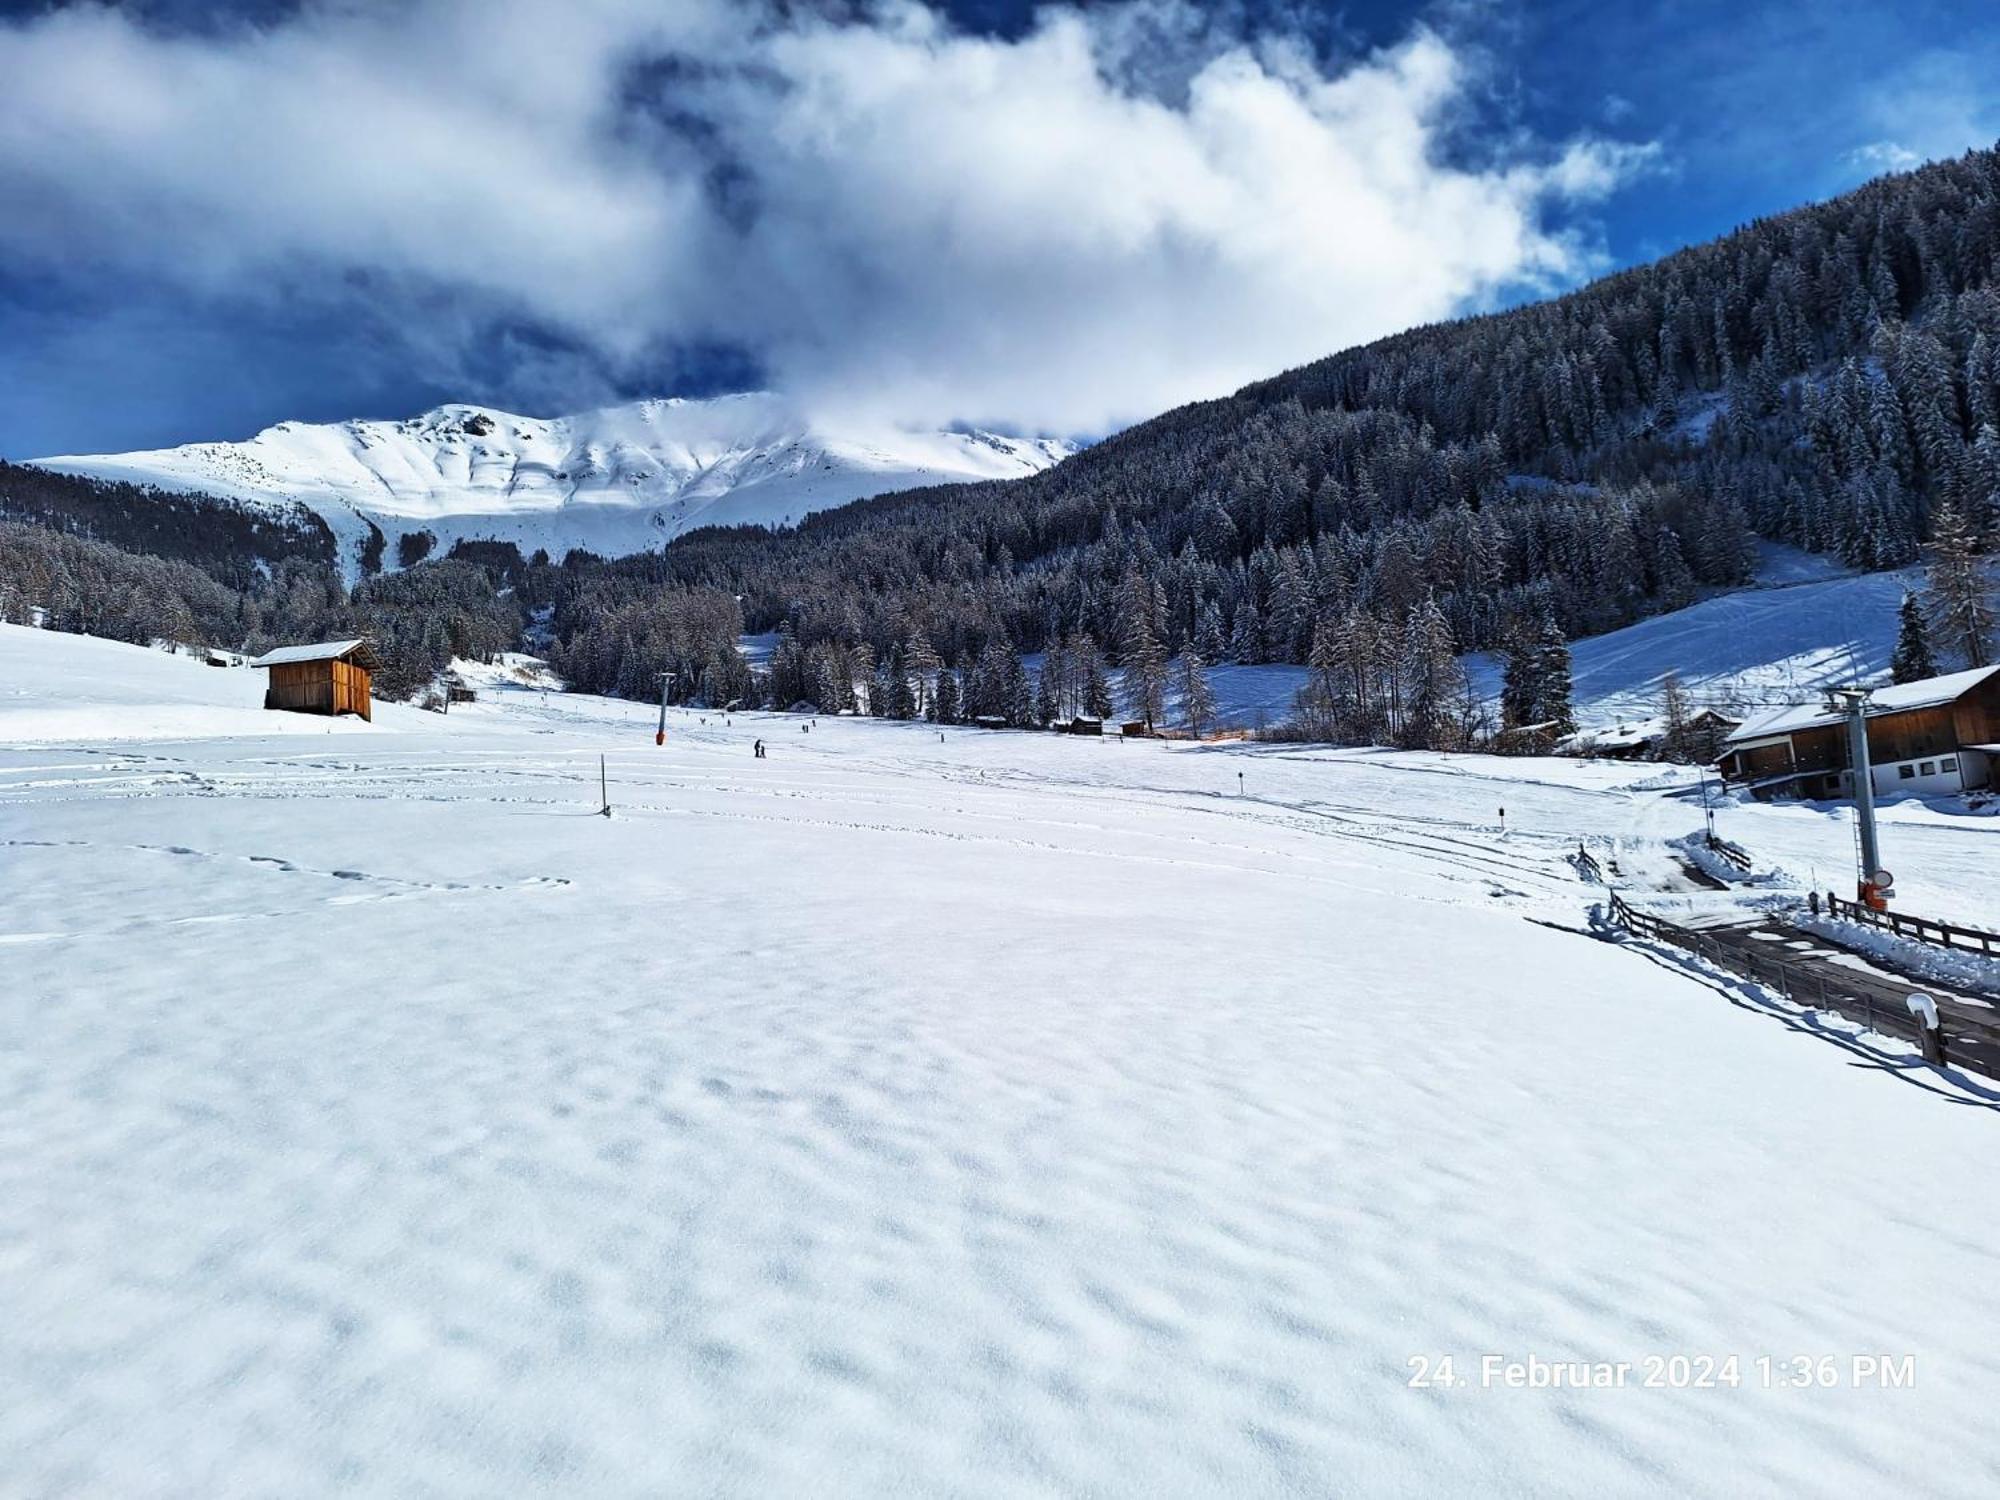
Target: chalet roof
<point>1633,734</point>
<point>1526,729</point>
<point>1928,692</point>
<point>1628,734</point>
<point>321,651</point>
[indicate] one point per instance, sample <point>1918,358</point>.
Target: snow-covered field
<point>978,1114</point>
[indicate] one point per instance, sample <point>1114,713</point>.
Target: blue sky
<point>220,217</point>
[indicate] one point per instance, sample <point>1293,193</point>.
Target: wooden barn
<point>1939,735</point>
<point>332,677</point>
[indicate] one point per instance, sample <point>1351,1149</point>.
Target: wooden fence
<point>1923,929</point>
<point>1733,855</point>
<point>1799,983</point>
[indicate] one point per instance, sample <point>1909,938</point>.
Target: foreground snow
<point>993,1114</point>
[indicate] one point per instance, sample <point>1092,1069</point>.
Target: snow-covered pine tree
<point>1362,644</point>
<point>902,697</point>
<point>1317,704</point>
<point>1434,681</point>
<point>1959,595</point>
<point>1048,689</point>
<point>1094,679</point>
<point>1913,659</point>
<point>1144,673</point>
<point>1552,651</point>
<point>1535,676</point>
<point>1983,479</point>
<point>1208,634</point>
<point>1197,696</point>
<point>924,664</point>
<point>1674,738</point>
<point>1520,688</point>
<point>1246,636</point>
<point>879,688</point>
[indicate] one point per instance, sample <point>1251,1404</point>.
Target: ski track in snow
<point>1011,1115</point>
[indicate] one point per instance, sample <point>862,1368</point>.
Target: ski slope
<point>613,481</point>
<point>1775,644</point>
<point>917,1111</point>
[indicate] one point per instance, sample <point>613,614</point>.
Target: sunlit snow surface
<point>1000,1115</point>
<point>1805,627</point>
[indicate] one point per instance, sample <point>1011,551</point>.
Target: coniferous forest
<point>1828,378</point>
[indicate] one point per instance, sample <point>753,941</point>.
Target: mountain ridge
<point>611,480</point>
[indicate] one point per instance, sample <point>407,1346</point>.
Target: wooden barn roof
<point>1930,692</point>
<point>358,651</point>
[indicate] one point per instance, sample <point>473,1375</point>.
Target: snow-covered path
<point>1001,1115</point>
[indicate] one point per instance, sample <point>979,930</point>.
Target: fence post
<point>1930,1034</point>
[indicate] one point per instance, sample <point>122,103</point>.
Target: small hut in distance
<point>332,677</point>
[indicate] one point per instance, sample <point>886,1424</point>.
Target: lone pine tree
<point>1535,678</point>
<point>1913,659</point>
<point>1960,592</point>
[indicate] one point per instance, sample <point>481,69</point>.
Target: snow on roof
<point>1630,734</point>
<point>1622,736</point>
<point>1927,692</point>
<point>323,651</point>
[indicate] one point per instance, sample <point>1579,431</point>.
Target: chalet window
<point>1948,765</point>
<point>1906,771</point>
<point>1928,768</point>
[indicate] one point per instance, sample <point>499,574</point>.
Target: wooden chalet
<point>332,677</point>
<point>1938,736</point>
<point>1082,724</point>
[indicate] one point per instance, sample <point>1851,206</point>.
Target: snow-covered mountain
<point>616,480</point>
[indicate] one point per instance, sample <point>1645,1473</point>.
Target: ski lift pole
<point>603,788</point>
<point>1854,702</point>
<point>666,682</point>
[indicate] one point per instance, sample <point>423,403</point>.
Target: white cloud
<point>1121,210</point>
<point>1883,156</point>
<point>1927,106</point>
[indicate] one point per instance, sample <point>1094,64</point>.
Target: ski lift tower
<point>1876,884</point>
<point>666,682</point>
